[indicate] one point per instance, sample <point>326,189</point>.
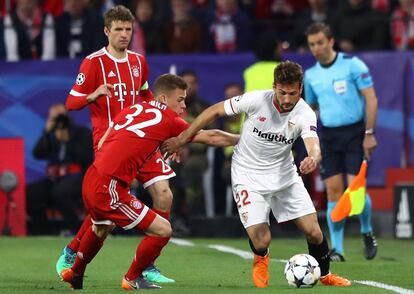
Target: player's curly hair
<point>117,13</point>
<point>288,72</point>
<point>169,82</point>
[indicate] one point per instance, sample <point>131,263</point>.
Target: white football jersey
<point>267,136</point>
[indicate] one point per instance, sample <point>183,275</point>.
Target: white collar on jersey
<point>125,59</point>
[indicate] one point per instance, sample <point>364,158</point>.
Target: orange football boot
<point>69,276</point>
<point>260,272</point>
<point>334,280</point>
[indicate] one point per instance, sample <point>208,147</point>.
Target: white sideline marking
<point>182,242</point>
<point>241,253</point>
<point>387,287</point>
<point>248,255</point>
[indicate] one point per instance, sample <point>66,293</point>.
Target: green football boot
<point>65,261</point>
<point>153,274</point>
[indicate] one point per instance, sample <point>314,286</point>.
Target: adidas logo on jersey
<point>272,137</point>
<point>111,74</point>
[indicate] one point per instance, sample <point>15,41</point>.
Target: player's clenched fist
<point>307,165</point>
<point>102,90</point>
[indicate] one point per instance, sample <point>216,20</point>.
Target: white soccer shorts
<point>254,205</point>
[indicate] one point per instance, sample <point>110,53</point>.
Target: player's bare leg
<point>318,248</point>
<point>259,240</point>
<point>161,194</point>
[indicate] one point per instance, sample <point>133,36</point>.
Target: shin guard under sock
<point>147,251</point>
<point>321,254</point>
<point>89,246</point>
<point>262,252</point>
<point>74,244</point>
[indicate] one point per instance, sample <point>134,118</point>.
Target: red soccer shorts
<point>154,170</point>
<point>108,201</point>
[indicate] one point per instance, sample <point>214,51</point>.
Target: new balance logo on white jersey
<point>111,74</point>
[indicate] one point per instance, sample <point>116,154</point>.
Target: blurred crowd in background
<point>49,29</point>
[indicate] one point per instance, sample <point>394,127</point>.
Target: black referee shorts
<point>342,149</point>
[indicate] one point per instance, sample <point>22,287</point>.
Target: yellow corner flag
<point>353,200</point>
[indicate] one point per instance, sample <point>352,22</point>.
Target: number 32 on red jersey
<point>137,128</point>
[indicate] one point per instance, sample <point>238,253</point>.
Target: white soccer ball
<point>302,271</point>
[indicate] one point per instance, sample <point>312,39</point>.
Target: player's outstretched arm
<point>309,163</point>
<point>215,111</point>
<point>216,138</point>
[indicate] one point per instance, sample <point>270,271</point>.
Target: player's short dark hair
<point>169,82</point>
<point>288,72</point>
<point>117,13</point>
<point>318,27</point>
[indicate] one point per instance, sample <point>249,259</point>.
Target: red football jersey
<point>137,134</point>
<point>128,76</point>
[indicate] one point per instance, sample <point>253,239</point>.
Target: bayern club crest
<point>80,79</point>
<point>136,204</point>
<point>135,71</point>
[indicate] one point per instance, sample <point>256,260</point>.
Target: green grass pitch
<point>27,265</point>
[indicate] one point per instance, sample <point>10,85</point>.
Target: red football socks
<point>74,244</point>
<point>147,251</point>
<point>164,214</point>
<point>88,248</point>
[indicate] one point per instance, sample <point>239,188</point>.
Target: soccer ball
<point>302,271</point>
